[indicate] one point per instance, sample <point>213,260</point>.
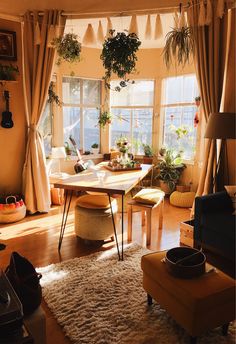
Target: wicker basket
<point>12,210</point>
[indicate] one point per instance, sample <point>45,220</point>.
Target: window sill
<point>84,157</point>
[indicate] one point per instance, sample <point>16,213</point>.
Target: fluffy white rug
<point>99,300</point>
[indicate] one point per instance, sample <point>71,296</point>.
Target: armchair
<point>214,224</point>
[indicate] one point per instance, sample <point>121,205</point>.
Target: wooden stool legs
<point>146,218</point>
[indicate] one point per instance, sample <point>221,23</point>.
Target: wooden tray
<point>122,169</point>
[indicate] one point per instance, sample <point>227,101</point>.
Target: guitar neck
<point>6,96</point>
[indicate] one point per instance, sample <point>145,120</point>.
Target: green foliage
<point>147,150</point>
<point>53,97</point>
<point>68,47</point>
<point>179,46</point>
<point>94,145</point>
<point>181,132</point>
<point>8,72</point>
<point>170,168</point>
<point>197,99</point>
<point>119,56</point>
<point>104,118</point>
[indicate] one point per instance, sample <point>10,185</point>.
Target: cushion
<point>231,190</point>
<point>182,199</point>
<point>149,196</point>
<point>93,201</point>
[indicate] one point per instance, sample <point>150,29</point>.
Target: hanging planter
<point>119,56</point>
<point>179,46</point>
<point>68,48</point>
<point>104,118</point>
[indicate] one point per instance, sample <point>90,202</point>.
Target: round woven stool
<point>93,218</point>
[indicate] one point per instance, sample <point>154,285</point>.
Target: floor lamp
<point>221,126</point>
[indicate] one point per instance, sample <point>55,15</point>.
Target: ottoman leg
<point>193,340</point>
<point>149,300</point>
<point>225,329</point>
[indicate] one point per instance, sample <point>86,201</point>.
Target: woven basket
<point>12,210</point>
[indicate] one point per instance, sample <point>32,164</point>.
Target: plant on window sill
<point>119,57</point>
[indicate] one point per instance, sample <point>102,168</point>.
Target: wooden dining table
<point>100,179</point>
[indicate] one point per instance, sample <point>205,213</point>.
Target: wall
<point>12,141</point>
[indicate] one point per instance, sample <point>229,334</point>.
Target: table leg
<point>114,226</point>
<point>122,227</point>
<point>66,209</point>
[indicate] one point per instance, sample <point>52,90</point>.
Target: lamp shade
<point>221,126</point>
<point>58,152</point>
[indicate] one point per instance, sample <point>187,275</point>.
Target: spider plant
<point>178,46</point>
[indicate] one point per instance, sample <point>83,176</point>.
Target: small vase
<point>124,158</point>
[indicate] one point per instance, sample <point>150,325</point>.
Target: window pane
<point>179,132</point>
<point>138,94</point>
<point>121,125</point>
<point>142,129</point>
<point>91,130</point>
<point>71,90</point>
<point>181,89</point>
<point>71,121</point>
<point>45,129</point>
<point>91,92</point>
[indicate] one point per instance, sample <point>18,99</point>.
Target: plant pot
<point>95,150</point>
<point>147,159</point>
<point>165,188</point>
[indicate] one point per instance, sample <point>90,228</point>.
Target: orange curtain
<point>210,64</point>
<point>38,66</point>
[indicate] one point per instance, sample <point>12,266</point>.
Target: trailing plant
<point>68,48</point>
<point>8,72</point>
<point>179,46</point>
<point>170,168</point>
<point>104,118</point>
<point>53,97</point>
<point>119,56</point>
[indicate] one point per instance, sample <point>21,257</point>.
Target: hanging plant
<point>68,48</point>
<point>104,118</point>
<point>53,97</point>
<point>179,46</point>
<point>119,56</point>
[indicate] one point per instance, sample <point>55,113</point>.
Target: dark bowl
<point>191,267</point>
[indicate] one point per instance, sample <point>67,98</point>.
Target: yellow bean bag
<point>182,199</point>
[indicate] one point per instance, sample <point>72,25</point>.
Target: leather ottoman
<point>198,304</point>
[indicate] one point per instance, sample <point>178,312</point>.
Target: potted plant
<point>169,170</point>
<point>67,148</point>
<point>8,72</point>
<point>95,149</point>
<point>119,56</point>
<point>148,154</point>
<point>104,118</point>
<point>68,48</point>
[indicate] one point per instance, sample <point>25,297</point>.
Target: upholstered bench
<point>93,218</point>
<point>198,304</point>
<point>145,201</point>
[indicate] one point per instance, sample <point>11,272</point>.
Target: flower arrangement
<point>123,144</point>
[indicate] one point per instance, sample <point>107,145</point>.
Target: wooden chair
<point>145,201</point>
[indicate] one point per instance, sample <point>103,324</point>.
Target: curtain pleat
<point>38,60</point>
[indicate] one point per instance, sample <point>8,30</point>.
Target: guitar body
<point>7,121</point>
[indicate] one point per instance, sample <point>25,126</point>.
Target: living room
<point>154,110</point>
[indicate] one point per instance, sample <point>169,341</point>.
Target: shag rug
<point>100,300</point>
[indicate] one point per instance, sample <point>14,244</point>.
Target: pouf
<point>197,304</point>
<point>182,199</point>
<point>93,218</point>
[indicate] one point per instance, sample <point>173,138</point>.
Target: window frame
<point>81,106</point>
<point>164,105</point>
<point>137,107</point>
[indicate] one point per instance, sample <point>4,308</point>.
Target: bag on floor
<point>25,281</point>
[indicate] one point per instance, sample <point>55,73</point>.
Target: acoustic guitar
<point>7,115</point>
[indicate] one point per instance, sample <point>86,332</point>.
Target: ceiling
<point>19,7</point>
<point>79,27</point>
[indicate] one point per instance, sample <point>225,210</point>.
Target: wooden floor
<point>36,237</point>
